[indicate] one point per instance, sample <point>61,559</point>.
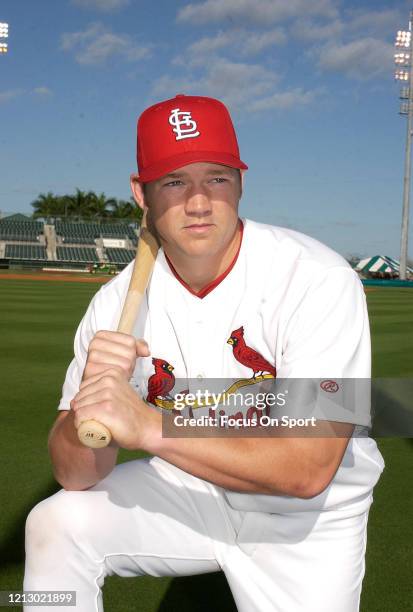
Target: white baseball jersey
<point>293,308</point>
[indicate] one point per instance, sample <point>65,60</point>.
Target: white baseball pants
<point>149,517</point>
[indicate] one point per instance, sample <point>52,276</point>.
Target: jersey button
<point>200,377</point>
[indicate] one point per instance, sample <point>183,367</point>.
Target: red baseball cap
<point>184,130</point>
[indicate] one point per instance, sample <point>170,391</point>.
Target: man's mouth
<point>198,227</point>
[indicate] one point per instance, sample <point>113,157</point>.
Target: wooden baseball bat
<point>92,433</point>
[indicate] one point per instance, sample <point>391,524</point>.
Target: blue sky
<point>309,85</point>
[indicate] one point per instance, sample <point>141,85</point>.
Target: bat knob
<point>94,434</point>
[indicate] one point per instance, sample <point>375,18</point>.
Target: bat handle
<point>94,434</point>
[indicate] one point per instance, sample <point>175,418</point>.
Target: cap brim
<point>164,166</point>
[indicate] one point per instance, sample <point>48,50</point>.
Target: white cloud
<point>238,82</point>
<point>254,42</point>
<point>306,30</point>
<point>361,59</point>
<point>375,22</point>
<point>42,91</point>
<point>243,87</point>
<point>238,43</point>
<point>234,83</point>
<point>261,12</point>
<point>71,40</point>
<point>167,86</point>
<point>102,5</point>
<point>10,94</point>
<point>107,45</point>
<point>284,100</point>
<point>204,46</point>
<point>96,44</point>
<point>352,22</point>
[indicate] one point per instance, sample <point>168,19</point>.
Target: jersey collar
<point>211,286</point>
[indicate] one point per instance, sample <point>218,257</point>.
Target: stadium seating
<point>119,230</point>
<point>20,230</point>
<point>76,254</point>
<point>25,251</point>
<point>77,233</point>
<point>120,256</point>
<point>73,239</point>
<point>86,233</point>
<point>76,242</point>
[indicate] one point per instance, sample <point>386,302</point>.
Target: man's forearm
<point>300,467</point>
<point>76,467</point>
<point>228,463</point>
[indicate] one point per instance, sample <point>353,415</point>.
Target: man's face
<point>195,208</point>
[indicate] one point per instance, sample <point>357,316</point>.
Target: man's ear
<point>137,190</point>
<point>242,175</point>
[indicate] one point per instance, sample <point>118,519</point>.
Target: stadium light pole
<point>404,74</point>
<point>4,33</point>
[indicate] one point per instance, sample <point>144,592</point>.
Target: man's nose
<point>198,202</point>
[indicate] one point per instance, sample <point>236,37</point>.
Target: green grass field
<point>37,324</point>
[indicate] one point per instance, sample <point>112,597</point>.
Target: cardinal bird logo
<point>248,356</point>
<point>162,382</point>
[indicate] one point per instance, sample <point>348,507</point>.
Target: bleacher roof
<point>17,217</point>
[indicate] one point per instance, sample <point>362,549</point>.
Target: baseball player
<point>229,299</point>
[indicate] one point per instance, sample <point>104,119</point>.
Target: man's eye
<point>219,179</point>
<point>173,183</point>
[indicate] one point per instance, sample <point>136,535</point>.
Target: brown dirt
<point>58,276</point>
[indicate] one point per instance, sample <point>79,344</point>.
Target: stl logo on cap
<point>184,125</point>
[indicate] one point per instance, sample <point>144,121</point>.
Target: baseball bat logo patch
<point>183,124</point>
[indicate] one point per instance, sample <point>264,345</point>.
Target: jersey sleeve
<point>85,332</point>
<point>327,352</point>
<point>102,313</point>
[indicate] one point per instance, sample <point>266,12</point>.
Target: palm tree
<point>126,211</point>
<point>100,206</point>
<point>86,205</point>
<point>79,205</point>
<point>48,206</point>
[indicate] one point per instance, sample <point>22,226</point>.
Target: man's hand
<point>75,466</point>
<point>113,349</point>
<point>109,399</point>
<point>105,394</point>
